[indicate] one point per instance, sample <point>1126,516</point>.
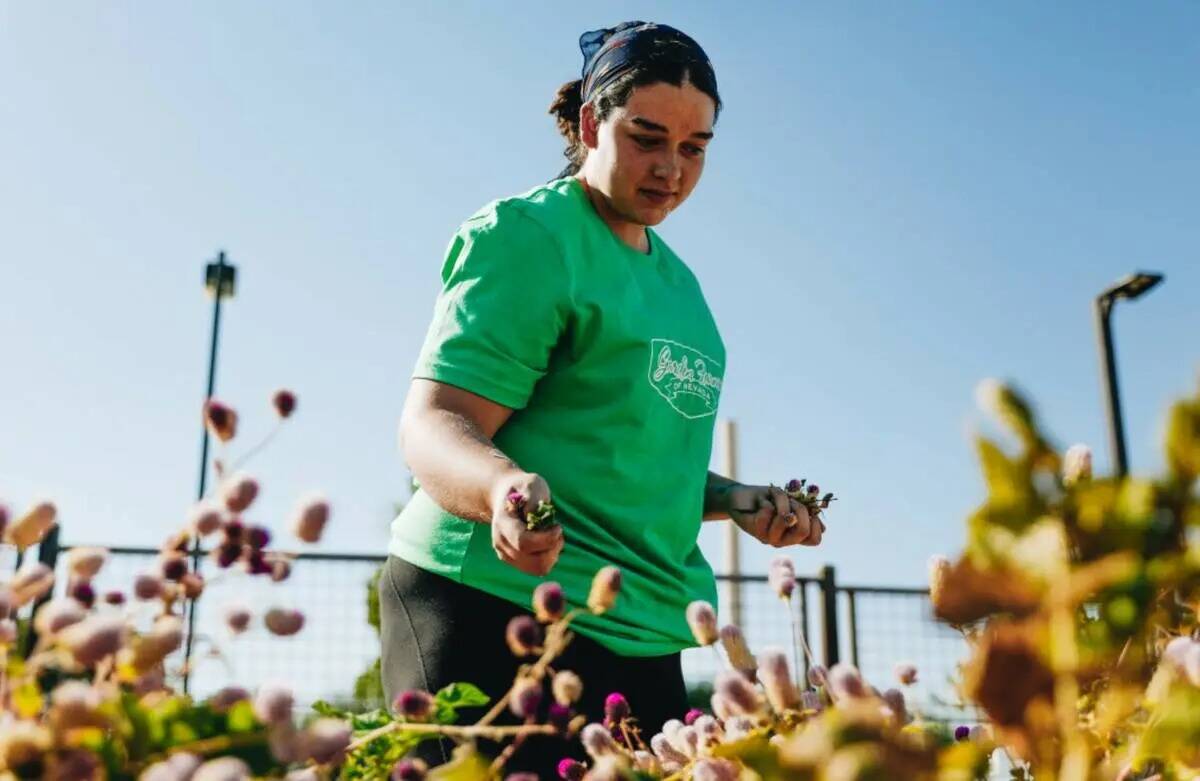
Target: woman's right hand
<point>534,553</point>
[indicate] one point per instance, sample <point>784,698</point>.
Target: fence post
<point>48,555</point>
<point>829,614</point>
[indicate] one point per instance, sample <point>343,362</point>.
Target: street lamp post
<point>1131,287</point>
<point>220,280</point>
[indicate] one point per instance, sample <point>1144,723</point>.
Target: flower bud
<point>205,518</point>
<point>781,576</point>
<point>84,563</point>
<point>570,770</point>
<point>281,567</point>
<point>32,582</point>
<point>549,602</point>
<point>225,554</point>
<point>31,527</point>
<point>776,679</point>
<point>1077,465</point>
<point>83,593</point>
<point>325,740</point>
<point>239,492</point>
<point>115,598</point>
<point>739,693</point>
<point>227,697</point>
<point>56,615</point>
<point>818,676</point>
<point>148,586</point>
<point>665,751</point>
<point>220,419</point>
<point>906,673</point>
<point>616,708</point>
<point>258,537</point>
<point>794,486</point>
<point>273,704</point>
<point>94,638</point>
<point>304,774</point>
<point>75,704</point>
<point>845,681</point>
<point>173,566</point>
<point>8,631</point>
<point>222,769</point>
<point>567,687</point>
<point>702,620</point>
<point>409,770</point>
<point>559,717</point>
<point>525,698</point>
<point>962,732</point>
<point>310,518</point>
<point>895,702</point>
<point>237,618</point>
<point>283,621</point>
<point>523,635</point>
<point>605,587</point>
<point>715,770</point>
<point>284,402</point>
<point>737,651</point>
<point>811,701</point>
<point>598,741</point>
<point>709,730</point>
<point>414,705</point>
<point>691,716</point>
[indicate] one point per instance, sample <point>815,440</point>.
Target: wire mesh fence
<point>874,628</point>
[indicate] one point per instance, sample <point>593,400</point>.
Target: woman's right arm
<point>446,435</point>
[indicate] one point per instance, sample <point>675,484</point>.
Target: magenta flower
<point>570,770</point>
<point>692,715</point>
<point>962,732</point>
<point>794,486</point>
<point>559,717</point>
<point>83,593</point>
<point>409,770</point>
<point>616,708</point>
<point>174,567</point>
<point>258,537</point>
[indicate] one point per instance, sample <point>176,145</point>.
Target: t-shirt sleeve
<point>504,303</point>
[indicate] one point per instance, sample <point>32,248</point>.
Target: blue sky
<point>902,199</point>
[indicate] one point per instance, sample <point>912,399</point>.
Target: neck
<point>632,233</point>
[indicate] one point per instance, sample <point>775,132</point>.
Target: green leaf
<point>325,708</point>
<point>455,696</point>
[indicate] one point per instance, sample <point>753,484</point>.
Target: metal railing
<point>872,627</point>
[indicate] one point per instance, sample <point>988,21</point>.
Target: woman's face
<point>648,154</point>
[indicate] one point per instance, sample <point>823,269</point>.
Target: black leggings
<point>436,631</point>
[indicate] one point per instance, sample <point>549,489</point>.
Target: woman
<point>572,358</point>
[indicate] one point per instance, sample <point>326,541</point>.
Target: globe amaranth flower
<point>702,620</point>
<point>606,585</point>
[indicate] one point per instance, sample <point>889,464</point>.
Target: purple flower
<point>523,635</point>
<point>962,732</point>
<point>414,705</point>
<point>258,537</point>
<point>739,693</point>
<point>174,567</point>
<point>793,486</point>
<point>781,576</point>
<point>525,699</point>
<point>813,490</point>
<point>692,715</point>
<point>559,717</point>
<point>273,704</point>
<point>83,593</point>
<point>549,602</point>
<point>409,770</point>
<point>570,770</point>
<point>616,707</point>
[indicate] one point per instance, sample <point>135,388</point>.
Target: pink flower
<point>409,770</point>
<point>222,769</point>
<point>605,587</point>
<point>567,687</point>
<point>548,602</point>
<point>692,715</point>
<point>414,705</point>
<point>781,576</point>
<point>94,638</point>
<point>616,708</point>
<point>56,615</point>
<point>702,620</point>
<point>845,681</point>
<point>33,581</point>
<point>776,679</point>
<point>220,419</point>
<point>237,618</point>
<point>525,699</point>
<point>205,518</point>
<point>225,698</point>
<point>794,486</point>
<point>273,704</point>
<point>283,621</point>
<point>598,741</point>
<point>570,770</point>
<point>523,635</point>
<point>818,676</point>
<point>739,693</point>
<point>737,651</point>
<point>310,518</point>
<point>325,740</point>
<point>239,492</point>
<point>895,701</point>
<point>148,586</point>
<point>661,745</point>
<point>31,527</point>
<point>715,770</point>
<point>84,563</point>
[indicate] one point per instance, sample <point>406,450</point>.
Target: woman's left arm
<point>765,512</point>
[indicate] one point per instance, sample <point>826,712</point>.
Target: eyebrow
<point>639,121</point>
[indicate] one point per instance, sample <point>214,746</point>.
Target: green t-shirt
<point>613,364</point>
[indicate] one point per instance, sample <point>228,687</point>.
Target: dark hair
<point>569,99</point>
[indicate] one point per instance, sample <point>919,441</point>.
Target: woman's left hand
<point>769,515</point>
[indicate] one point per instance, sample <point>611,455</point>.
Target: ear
<point>589,128</point>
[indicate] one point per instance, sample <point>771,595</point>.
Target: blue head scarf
<point>611,52</point>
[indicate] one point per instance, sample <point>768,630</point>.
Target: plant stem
<point>453,731</point>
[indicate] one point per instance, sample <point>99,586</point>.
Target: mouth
<point>656,197</point>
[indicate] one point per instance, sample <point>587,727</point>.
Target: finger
<point>505,551</point>
<point>782,503</point>
<point>815,534</point>
<point>530,543</point>
<point>778,531</point>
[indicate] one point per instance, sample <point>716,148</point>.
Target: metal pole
<point>1112,396</point>
<point>733,559</point>
<point>829,619</point>
<point>218,294</point>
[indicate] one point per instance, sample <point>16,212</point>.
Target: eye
<point>646,142</point>
<point>693,150</point>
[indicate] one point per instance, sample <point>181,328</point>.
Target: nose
<point>667,167</point>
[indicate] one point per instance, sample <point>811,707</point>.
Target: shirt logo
<point>688,379</point>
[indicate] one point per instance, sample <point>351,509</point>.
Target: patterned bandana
<point>614,51</point>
